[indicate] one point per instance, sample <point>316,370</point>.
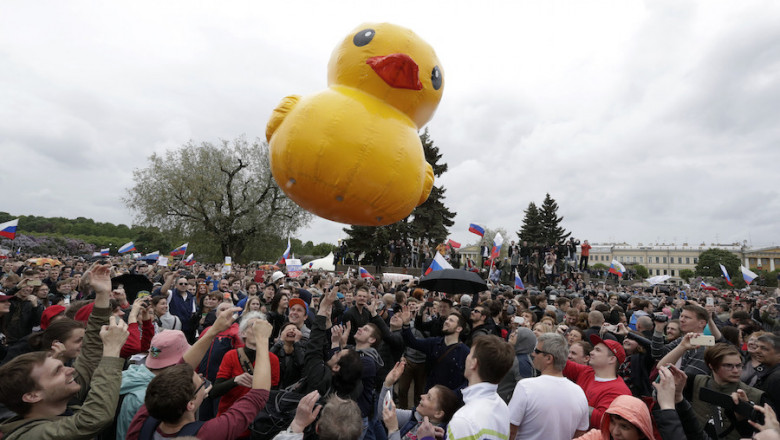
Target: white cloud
<point>644,120</point>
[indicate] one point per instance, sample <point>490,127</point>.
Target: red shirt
<point>600,394</point>
<point>231,367</point>
<point>585,250</point>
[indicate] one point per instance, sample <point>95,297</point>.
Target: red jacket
<point>231,368</point>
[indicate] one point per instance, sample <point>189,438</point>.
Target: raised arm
<point>195,354</point>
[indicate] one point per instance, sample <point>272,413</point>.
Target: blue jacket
<point>134,382</point>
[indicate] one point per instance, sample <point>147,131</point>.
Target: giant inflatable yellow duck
<point>352,153</point>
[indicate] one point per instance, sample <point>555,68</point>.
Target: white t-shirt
<point>548,408</point>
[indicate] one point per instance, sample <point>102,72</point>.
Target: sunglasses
<point>537,351</point>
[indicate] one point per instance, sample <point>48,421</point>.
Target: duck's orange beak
<point>398,70</point>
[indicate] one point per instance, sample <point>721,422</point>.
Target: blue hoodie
<point>134,382</point>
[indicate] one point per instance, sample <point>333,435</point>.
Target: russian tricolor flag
<point>498,240</point>
<point>286,253</point>
<point>181,250</point>
<point>189,261</point>
<point>438,263</point>
<point>706,286</point>
<point>128,247</point>
<point>453,243</point>
<point>477,229</point>
<point>726,274</point>
<point>518,282</point>
<point>616,268</point>
<point>747,274</point>
<point>104,252</point>
<point>8,229</point>
<point>364,273</point>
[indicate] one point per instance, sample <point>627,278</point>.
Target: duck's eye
<point>363,37</point>
<point>436,78</point>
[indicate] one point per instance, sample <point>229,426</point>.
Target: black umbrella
<point>132,283</point>
<point>453,281</point>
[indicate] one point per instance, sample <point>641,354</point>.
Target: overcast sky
<point>653,121</point>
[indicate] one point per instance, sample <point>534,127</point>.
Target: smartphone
<point>710,301</point>
<point>388,401</point>
<point>704,340</point>
<point>519,320</point>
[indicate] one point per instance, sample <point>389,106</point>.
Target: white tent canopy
<point>324,263</point>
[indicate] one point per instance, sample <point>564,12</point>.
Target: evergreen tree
<point>531,231</point>
<point>552,232</point>
<point>430,220</point>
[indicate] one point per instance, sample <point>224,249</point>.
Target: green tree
<point>687,274</point>
<point>552,232</point>
<point>431,220</point>
<point>710,261</point>
<point>222,195</point>
<point>531,230</point>
<point>641,271</point>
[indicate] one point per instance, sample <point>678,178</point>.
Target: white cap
<point>276,276</point>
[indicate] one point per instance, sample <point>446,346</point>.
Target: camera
<point>660,317</point>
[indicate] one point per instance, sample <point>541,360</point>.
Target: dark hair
<point>277,299</point>
<point>349,374</point>
<point>17,380</point>
<point>169,392</point>
<point>156,300</point>
<point>730,334</point>
<point>461,320</point>
<point>59,330</point>
<point>376,334</point>
<point>448,402</point>
<point>494,357</point>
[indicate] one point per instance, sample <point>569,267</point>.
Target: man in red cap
<point>51,314</point>
<point>599,380</point>
<point>297,315</point>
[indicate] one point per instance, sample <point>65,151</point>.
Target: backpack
<point>279,412</point>
<point>150,427</point>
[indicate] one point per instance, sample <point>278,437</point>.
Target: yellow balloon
<point>352,153</point>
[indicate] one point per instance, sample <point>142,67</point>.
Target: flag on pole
<point>726,274</point>
<point>181,250</point>
<point>104,252</point>
<point>286,253</point>
<point>498,240</point>
<point>189,261</point>
<point>747,274</point>
<point>616,268</point>
<point>155,254</point>
<point>471,266</point>
<point>438,263</point>
<point>127,248</point>
<point>518,282</point>
<point>477,229</point>
<point>8,229</point>
<point>453,243</point>
<point>364,273</point>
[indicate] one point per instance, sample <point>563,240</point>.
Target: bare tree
<point>225,192</point>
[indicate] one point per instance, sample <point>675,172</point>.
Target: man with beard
<point>446,355</point>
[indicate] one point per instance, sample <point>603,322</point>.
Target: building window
<point>664,271</point>
<point>657,260</point>
<point>664,262</point>
<point>671,272</point>
<point>679,260</point>
<point>695,260</point>
<point>641,259</point>
<point>687,260</point>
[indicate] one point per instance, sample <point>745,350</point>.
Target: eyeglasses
<point>183,284</point>
<point>731,366</point>
<point>537,351</point>
<point>204,384</point>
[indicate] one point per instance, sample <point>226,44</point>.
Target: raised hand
<point>394,374</point>
<point>306,413</point>
<point>114,336</point>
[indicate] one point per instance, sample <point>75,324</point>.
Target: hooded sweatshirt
<point>629,408</point>
<point>134,382</point>
<point>524,345</point>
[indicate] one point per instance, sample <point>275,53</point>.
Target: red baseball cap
<point>614,346</point>
<point>299,302</point>
<point>49,314</point>
<point>4,297</point>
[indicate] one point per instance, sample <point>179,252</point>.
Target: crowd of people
<point>208,351</point>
